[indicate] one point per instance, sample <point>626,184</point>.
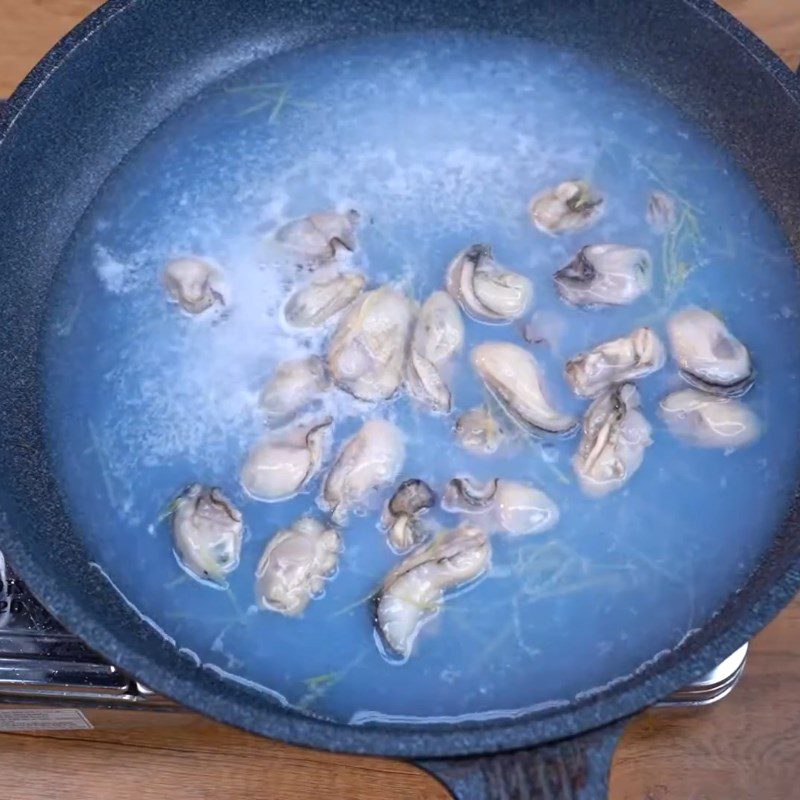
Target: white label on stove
<point>42,719</point>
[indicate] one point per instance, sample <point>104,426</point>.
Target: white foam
<point>114,274</point>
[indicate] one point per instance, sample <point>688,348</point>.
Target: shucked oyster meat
<point>282,463</point>
<point>615,435</point>
<point>478,431</point>
<point>295,565</point>
<point>605,274</point>
<point>706,420</point>
<point>194,284</point>
<point>439,329</point>
<point>438,334</point>
<point>206,532</point>
<point>413,591</point>
<point>616,361</point>
<point>427,384</point>
<point>320,236</point>
<point>484,289</point>
<point>368,460</point>
<point>367,352</point>
<point>293,386</point>
<point>661,212</point>
<point>325,296</point>
<point>569,206</point>
<point>500,504</point>
<point>401,516</point>
<point>512,376</point>
<point>709,356</point>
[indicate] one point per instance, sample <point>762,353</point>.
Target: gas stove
<point>50,680</point>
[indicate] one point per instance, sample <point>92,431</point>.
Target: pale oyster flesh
<point>500,504</point>
<point>484,289</point>
<point>281,464</point>
<point>605,274</point>
<point>661,212</point>
<point>194,284</point>
<point>320,236</point>
<point>401,516</point>
<point>546,328</point>
<point>439,329</point>
<point>706,420</point>
<point>413,591</point>
<point>709,356</point>
<point>313,305</point>
<point>569,206</point>
<point>293,386</point>
<point>368,460</point>
<point>367,352</point>
<point>295,565</point>
<point>438,334</point>
<point>478,431</point>
<point>616,361</point>
<point>427,384</point>
<point>615,435</point>
<point>207,532</point>
<point>513,377</point>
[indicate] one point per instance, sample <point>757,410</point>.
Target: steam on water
<point>439,142</point>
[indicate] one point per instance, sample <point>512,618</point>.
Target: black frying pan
<point>116,77</point>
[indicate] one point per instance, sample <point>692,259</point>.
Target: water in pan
<point>439,142</point>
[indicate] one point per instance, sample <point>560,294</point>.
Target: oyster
<point>206,532</point>
<point>709,356</point>
<point>522,509</point>
<point>294,385</point>
<point>545,328</point>
<point>484,289</point>
<point>281,464</point>
<point>439,329</point>
<point>661,212</point>
<point>478,431</point>
<point>511,506</point>
<point>401,515</point>
<point>708,421</point>
<point>438,333</point>
<point>413,591</point>
<point>368,460</point>
<point>615,435</point>
<point>513,377</point>
<point>324,297</point>
<point>466,495</point>
<point>615,361</point>
<point>295,565</point>
<point>368,348</point>
<point>320,236</point>
<point>567,207</point>
<point>194,284</point>
<point>427,384</point>
<point>605,274</point>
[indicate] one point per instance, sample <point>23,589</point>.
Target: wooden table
<point>745,748</point>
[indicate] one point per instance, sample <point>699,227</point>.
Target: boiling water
<point>439,141</point>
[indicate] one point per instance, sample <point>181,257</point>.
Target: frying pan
<point>122,72</point>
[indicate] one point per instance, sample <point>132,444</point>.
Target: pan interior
<point>439,140</point>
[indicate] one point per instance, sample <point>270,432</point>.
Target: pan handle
<point>572,769</point>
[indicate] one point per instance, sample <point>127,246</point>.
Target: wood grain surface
<point>745,748</point>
